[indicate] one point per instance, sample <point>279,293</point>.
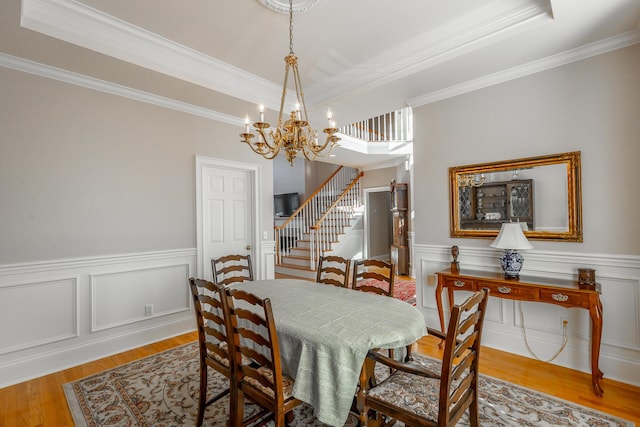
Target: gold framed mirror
<point>542,193</point>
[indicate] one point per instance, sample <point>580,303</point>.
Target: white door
<point>227,213</point>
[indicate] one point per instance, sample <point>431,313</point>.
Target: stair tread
<point>296,267</point>
<point>288,276</point>
<point>301,257</point>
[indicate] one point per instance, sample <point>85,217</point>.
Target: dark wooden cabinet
<point>400,210</point>
<point>486,207</point>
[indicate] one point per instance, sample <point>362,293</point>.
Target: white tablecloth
<point>324,334</point>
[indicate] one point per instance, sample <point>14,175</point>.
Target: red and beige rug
<point>162,390</point>
<point>402,289</point>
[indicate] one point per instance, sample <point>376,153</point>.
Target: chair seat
<point>410,393</point>
<point>287,383</point>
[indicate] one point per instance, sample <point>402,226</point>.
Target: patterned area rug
<point>402,289</point>
<point>161,390</point>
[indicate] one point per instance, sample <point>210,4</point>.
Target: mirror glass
<point>542,193</point>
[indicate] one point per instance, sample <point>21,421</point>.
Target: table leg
<point>595,310</point>
<point>440,307</point>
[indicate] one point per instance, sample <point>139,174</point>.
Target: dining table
<point>324,334</point>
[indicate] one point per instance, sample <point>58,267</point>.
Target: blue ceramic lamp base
<point>511,262</point>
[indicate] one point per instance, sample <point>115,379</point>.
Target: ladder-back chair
<point>419,396</point>
<point>333,270</point>
<point>253,334</point>
<point>381,271</point>
<point>231,269</point>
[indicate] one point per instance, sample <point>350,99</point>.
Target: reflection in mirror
<point>542,193</point>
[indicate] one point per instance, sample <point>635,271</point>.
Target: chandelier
<point>294,134</point>
<point>471,180</point>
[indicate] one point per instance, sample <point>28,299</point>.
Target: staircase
<point>319,225</point>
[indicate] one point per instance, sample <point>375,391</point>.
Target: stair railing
<point>298,225</point>
<point>332,222</point>
<point>395,126</point>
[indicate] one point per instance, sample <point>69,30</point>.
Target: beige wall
<point>316,173</point>
<point>590,106</point>
<point>85,173</point>
<point>378,177</point>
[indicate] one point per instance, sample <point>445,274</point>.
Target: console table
<point>565,293</point>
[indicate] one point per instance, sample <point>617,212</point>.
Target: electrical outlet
<point>431,279</point>
<point>265,235</point>
<point>148,310</point>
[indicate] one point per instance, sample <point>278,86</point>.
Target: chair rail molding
<point>619,276</point>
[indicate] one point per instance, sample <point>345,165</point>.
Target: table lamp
<point>511,239</point>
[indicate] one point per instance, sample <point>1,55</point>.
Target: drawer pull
<point>458,283</point>
<point>504,290</point>
<point>560,297</point>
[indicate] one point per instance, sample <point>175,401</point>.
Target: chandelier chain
<point>291,27</point>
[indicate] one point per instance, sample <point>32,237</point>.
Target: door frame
<point>366,220</point>
<point>254,171</point>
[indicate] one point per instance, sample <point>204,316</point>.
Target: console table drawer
<point>508,291</point>
<point>564,297</point>
<point>460,284</point>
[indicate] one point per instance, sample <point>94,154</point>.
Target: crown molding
<point>84,26</point>
<point>583,52</point>
<point>42,70</point>
<point>79,24</point>
<point>483,27</point>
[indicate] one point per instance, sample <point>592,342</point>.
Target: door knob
<point>248,247</point>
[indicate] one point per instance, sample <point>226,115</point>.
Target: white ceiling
<point>362,58</point>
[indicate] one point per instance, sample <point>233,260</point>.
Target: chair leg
<point>279,420</point>
<point>474,416</point>
<point>202,401</point>
<point>236,407</point>
<point>289,417</point>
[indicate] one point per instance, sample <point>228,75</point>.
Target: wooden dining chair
<point>212,338</point>
<point>231,269</point>
<point>418,396</point>
<point>333,270</point>
<point>381,271</point>
<point>253,335</point>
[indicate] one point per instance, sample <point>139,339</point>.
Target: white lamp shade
<point>511,237</point>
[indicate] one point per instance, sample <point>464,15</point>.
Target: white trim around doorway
<point>255,172</point>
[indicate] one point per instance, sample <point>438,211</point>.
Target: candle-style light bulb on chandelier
<point>293,134</point>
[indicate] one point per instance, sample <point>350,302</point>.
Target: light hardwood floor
<point>41,402</point>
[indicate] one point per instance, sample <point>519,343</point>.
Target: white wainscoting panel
<point>122,297</point>
<point>53,300</point>
<point>63,313</point>
<point>536,329</point>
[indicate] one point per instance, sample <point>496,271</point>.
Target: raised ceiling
<point>360,57</point>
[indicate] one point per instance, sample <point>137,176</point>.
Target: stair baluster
<point>321,218</point>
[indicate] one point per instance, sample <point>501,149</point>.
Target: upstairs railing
<point>390,127</point>
<point>326,230</point>
<point>298,226</point>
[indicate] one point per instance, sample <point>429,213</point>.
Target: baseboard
<point>48,362</point>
